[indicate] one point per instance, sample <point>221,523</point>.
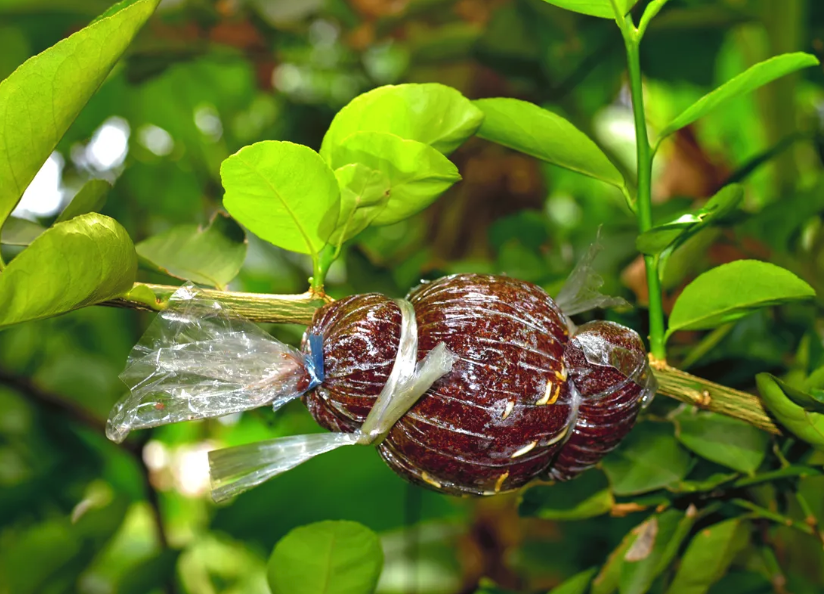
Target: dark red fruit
<point>495,421</point>
<point>607,365</point>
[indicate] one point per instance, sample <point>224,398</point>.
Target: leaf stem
<point>632,41</point>
<point>763,512</point>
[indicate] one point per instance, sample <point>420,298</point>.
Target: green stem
<point>632,40</point>
<point>707,344</point>
<point>763,512</point>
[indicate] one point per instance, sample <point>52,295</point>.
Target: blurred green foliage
<point>203,79</point>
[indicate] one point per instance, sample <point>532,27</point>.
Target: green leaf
<point>655,546</point>
<point>807,425</point>
<point>41,99</point>
<point>83,261</point>
<point>667,235</point>
<point>283,193</point>
<point>333,557</point>
<point>706,484</point>
<point>364,193</point>
<point>577,584</point>
<point>91,198</point>
<point>809,399</point>
<point>722,439</point>
<point>585,497</point>
<point>648,459</point>
<point>731,291</point>
<point>598,8</point>
<point>20,231</point>
<point>212,256</point>
<point>749,80</point>
<point>430,113</point>
<point>709,556</point>
<point>417,173</point>
<point>527,128</point>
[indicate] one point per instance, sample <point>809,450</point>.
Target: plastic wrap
<point>237,469</point>
<point>199,360</point>
<point>580,292</point>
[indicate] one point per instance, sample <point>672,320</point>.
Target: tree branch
<point>299,309</point>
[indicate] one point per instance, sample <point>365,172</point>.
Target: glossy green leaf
<point>731,291</point>
<point>655,546</point>
<point>91,198</point>
<point>577,584</point>
<point>708,557</point>
<point>283,193</point>
<point>747,81</point>
<point>417,173</point>
<point>41,99</point>
<point>723,440</point>
<point>527,128</point>
<point>212,256</point>
<point>649,458</point>
<point>333,557</point>
<point>598,8</point>
<point>81,262</point>
<point>585,497</point>
<point>805,424</point>
<point>667,235</point>
<point>20,231</point>
<point>430,113</point>
<point>364,193</point>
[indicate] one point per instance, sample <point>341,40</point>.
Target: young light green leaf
<point>585,497</point>
<point>527,128</point>
<point>430,113</point>
<point>606,582</point>
<point>417,173</point>
<point>41,99</point>
<point>333,557</point>
<point>805,424</point>
<point>655,546</point>
<point>749,80</point>
<point>709,556</point>
<point>91,198</point>
<point>722,439</point>
<point>212,256</point>
<point>284,193</point>
<point>676,232</point>
<point>731,291</point>
<point>364,192</point>
<point>20,231</point>
<point>598,8</point>
<point>648,459</point>
<point>81,262</point>
<point>577,584</point>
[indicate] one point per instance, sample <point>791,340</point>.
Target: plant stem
<point>632,40</point>
<point>763,512</point>
<point>257,307</point>
<point>713,397</point>
<point>299,309</point>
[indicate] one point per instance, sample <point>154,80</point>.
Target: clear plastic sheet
<point>580,292</point>
<point>235,470</point>
<point>198,360</point>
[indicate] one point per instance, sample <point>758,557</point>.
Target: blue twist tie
<point>314,362</point>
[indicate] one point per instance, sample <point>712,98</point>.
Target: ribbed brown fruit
<point>495,421</point>
<point>611,395</point>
